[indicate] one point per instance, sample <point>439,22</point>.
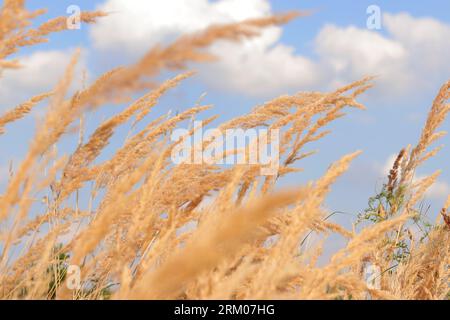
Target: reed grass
<point>126,239</point>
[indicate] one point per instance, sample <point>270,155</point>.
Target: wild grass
<point>125,236</point>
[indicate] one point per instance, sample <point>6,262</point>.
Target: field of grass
<point>111,228</point>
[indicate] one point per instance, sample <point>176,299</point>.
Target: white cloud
<point>413,54</point>
<point>40,73</point>
<point>412,50</point>
<point>421,36</point>
<point>260,67</point>
<point>425,39</point>
<point>136,25</point>
<point>351,53</point>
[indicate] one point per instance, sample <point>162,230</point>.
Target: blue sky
<point>331,46</point>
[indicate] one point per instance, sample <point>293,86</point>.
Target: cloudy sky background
<point>320,52</point>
